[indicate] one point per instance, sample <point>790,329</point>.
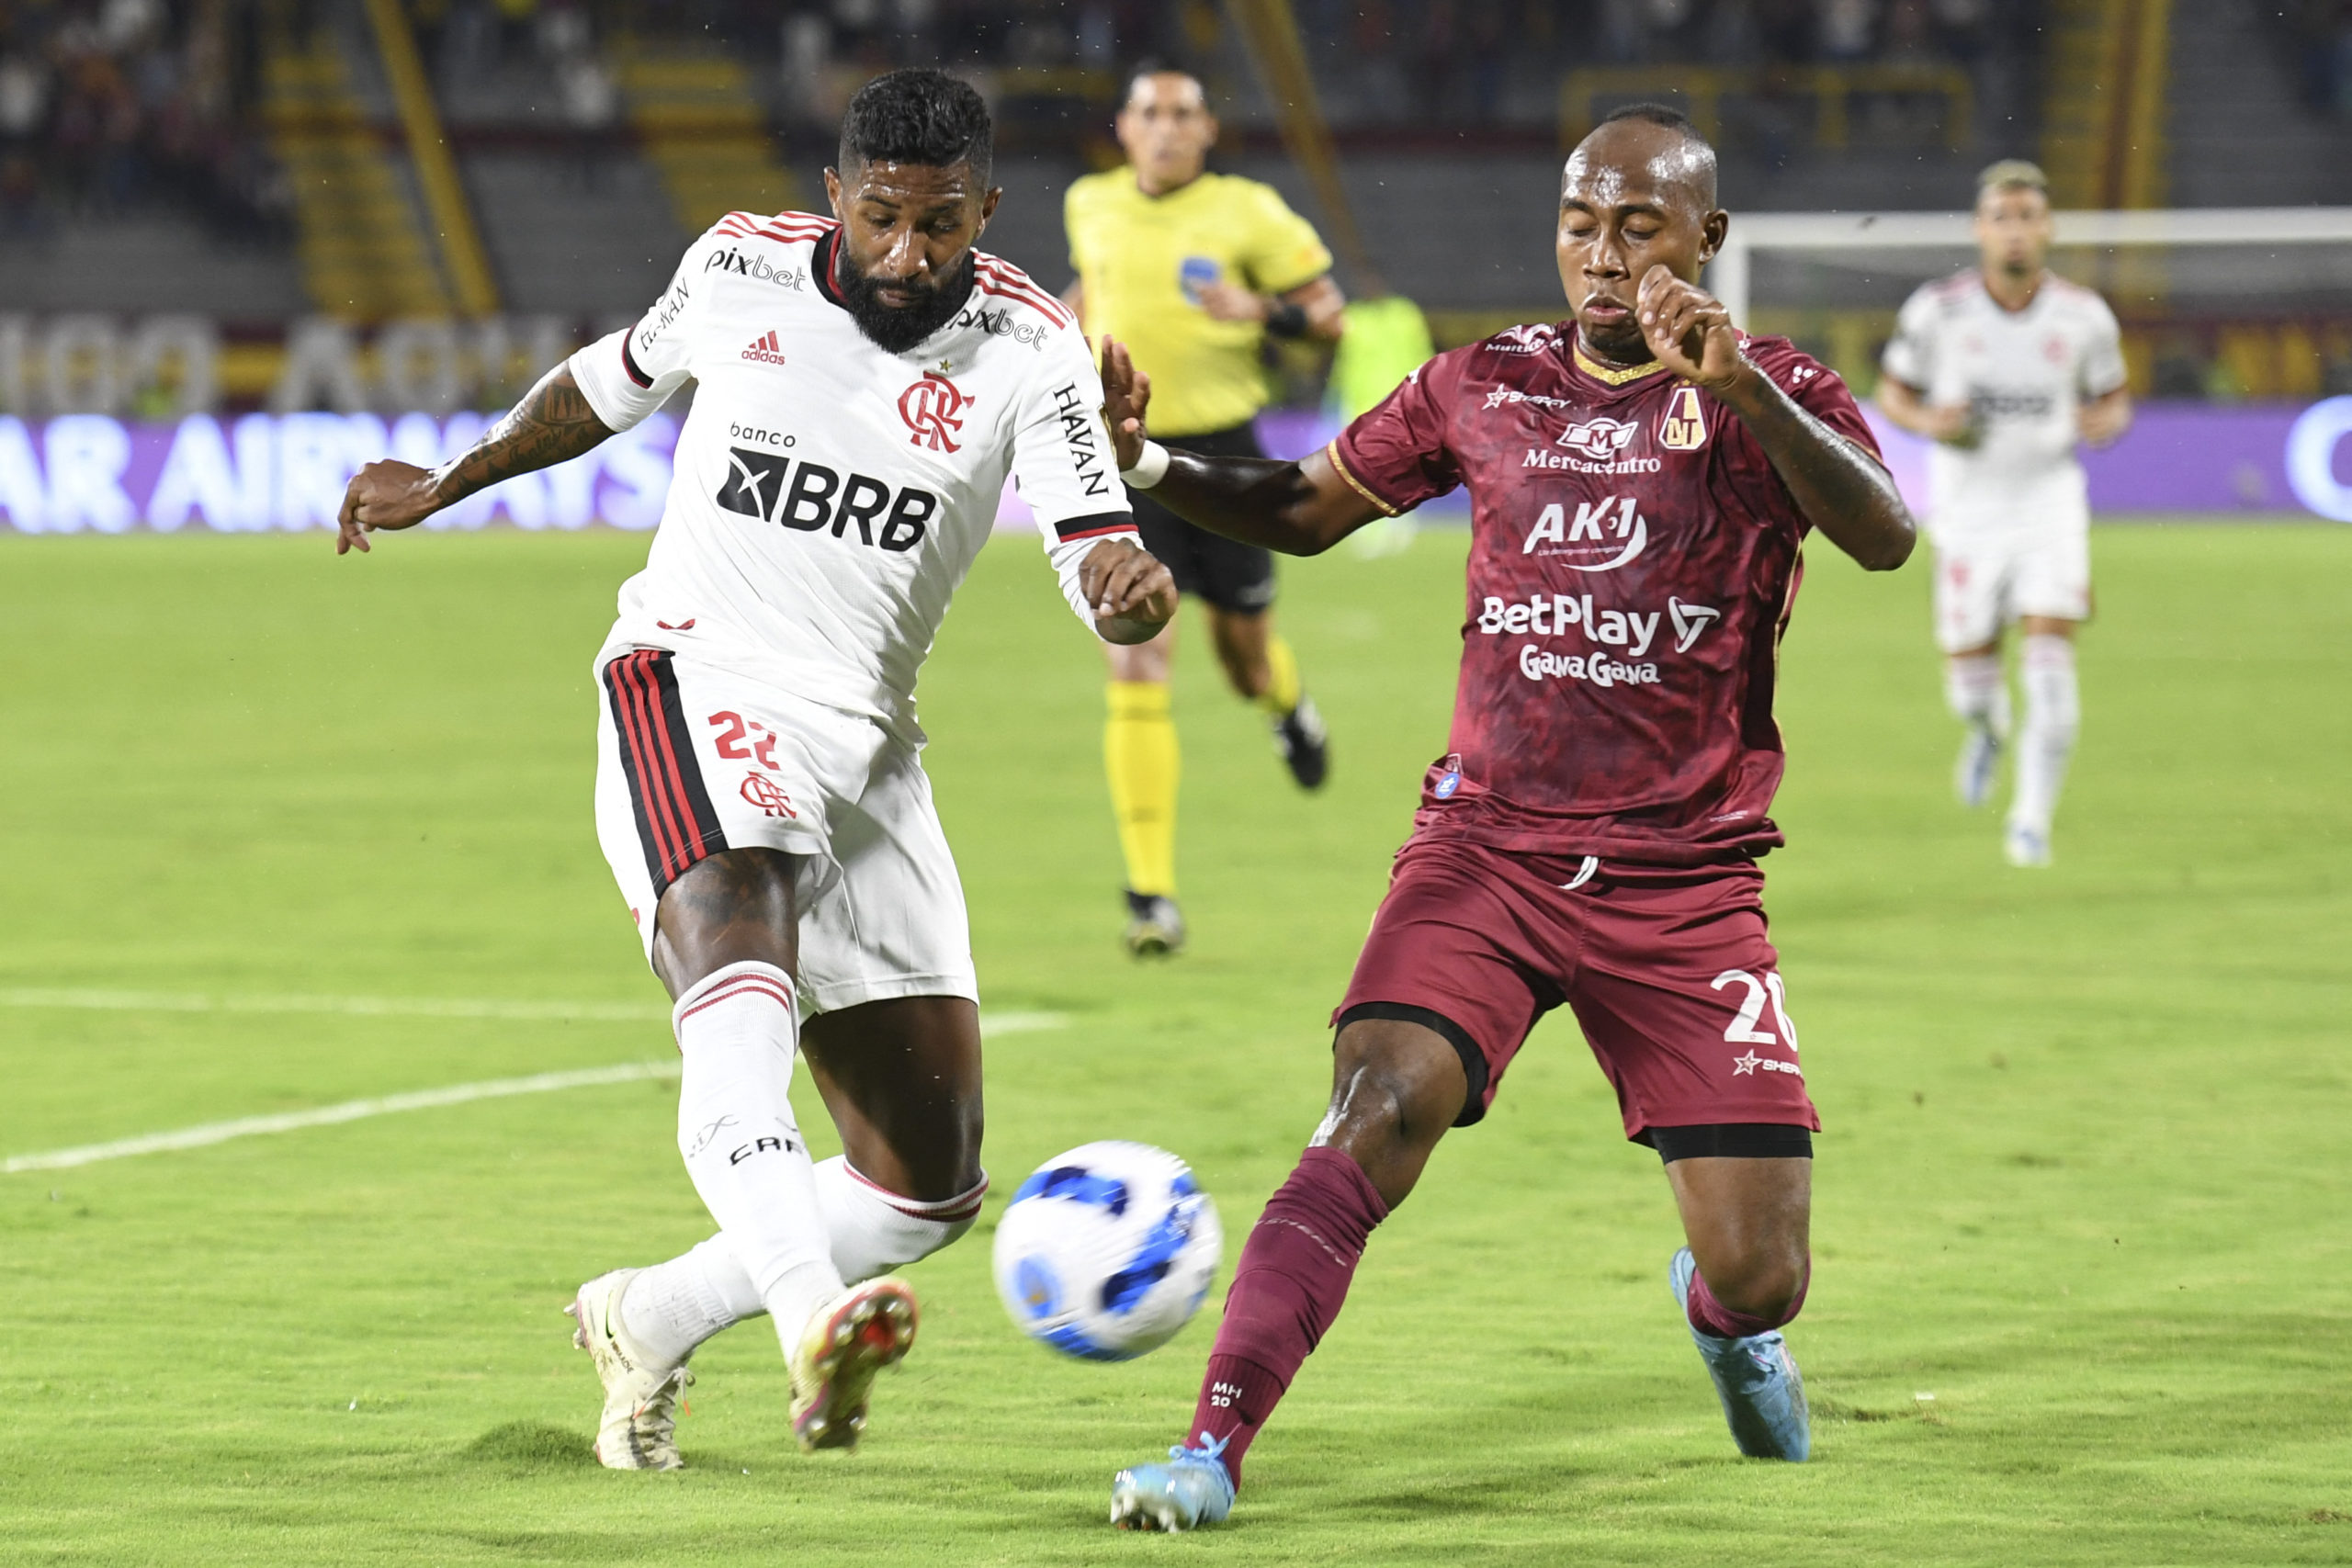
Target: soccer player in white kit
<point>2006,367</point>
<point>864,384</point>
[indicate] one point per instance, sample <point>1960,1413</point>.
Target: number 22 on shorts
<point>729,743</point>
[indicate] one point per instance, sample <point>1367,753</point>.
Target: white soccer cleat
<point>852,1337</point>
<point>2025,846</point>
<point>639,1427</point>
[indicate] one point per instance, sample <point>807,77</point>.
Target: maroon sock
<point>1293,1276</point>
<point>1709,1315</point>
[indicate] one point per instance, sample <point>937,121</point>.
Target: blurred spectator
<point>105,105</point>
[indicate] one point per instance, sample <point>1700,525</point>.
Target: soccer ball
<point>1106,1251</point>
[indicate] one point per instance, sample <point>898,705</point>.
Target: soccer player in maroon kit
<point>1641,479</point>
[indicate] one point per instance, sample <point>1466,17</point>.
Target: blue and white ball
<point>1106,1251</point>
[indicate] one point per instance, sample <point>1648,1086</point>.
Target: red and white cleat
<point>852,1337</point>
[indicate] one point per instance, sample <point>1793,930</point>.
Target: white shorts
<point>693,759</point>
<point>1984,583</point>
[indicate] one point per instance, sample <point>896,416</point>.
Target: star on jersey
<point>1745,1064</point>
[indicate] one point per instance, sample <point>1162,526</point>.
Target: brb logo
<point>933,410</point>
<point>1599,439</point>
<point>821,498</point>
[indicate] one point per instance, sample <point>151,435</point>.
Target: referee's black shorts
<point>1233,577</point>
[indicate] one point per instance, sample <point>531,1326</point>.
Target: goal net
<point>2237,323</point>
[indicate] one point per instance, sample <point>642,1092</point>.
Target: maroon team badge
<point>1600,439</point>
<point>1684,426</point>
<point>933,409</point>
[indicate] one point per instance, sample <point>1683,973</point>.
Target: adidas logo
<point>766,349</point>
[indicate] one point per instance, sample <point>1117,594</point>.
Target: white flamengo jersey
<point>828,496</point>
<point>2024,374</point>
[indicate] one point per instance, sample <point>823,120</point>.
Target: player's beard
<point>893,328</point>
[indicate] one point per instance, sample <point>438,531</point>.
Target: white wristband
<point>1149,470</point>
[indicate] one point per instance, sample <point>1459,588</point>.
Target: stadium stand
<point>259,165</point>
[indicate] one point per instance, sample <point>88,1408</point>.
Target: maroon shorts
<point>1669,972</point>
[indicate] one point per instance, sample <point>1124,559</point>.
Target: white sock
<point>737,1033</point>
<point>671,1307</point>
<point>1977,692</point>
<point>875,1230</point>
<point>2052,714</point>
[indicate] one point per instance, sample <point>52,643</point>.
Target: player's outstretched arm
<point>1837,486</point>
<point>1299,509</point>
<point>553,423</point>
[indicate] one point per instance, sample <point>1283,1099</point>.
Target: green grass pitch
<point>2081,1240</point>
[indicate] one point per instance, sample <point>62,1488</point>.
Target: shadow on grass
<point>533,1445</point>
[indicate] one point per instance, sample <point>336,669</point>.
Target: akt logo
<point>1684,428</point>
<point>933,409</point>
<point>1600,439</point>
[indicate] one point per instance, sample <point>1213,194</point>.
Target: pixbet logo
<point>744,264</point>
<point>999,323</point>
<point>1554,528</point>
<point>933,410</point>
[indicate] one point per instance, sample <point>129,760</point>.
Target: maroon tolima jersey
<point>1633,561</point>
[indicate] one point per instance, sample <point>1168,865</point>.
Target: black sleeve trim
<point>1728,1140</point>
<point>1474,1061</point>
<point>1094,525</point>
<point>628,363</point>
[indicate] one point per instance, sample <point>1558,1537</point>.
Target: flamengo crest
<point>933,410</point>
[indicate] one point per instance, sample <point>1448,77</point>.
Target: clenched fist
<point>384,495</point>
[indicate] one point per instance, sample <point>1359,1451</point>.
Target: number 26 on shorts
<point>1758,989</point>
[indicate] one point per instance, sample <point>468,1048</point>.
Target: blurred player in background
<point>865,383</point>
<point>1641,479</point>
<point>1192,270</point>
<point>2006,367</point>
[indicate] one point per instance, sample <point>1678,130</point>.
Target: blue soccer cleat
<point>1191,1490</point>
<point>1756,1379</point>
<point>1980,761</point>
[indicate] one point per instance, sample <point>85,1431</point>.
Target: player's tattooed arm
<point>1838,487</point>
<point>1298,509</point>
<point>553,423</point>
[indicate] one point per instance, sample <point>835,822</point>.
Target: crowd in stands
<point>1443,60</point>
<point>105,105</point>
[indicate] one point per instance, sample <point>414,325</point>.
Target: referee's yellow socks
<point>1140,757</point>
<point>1282,691</point>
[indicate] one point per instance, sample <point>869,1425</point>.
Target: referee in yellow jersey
<point>1190,270</point>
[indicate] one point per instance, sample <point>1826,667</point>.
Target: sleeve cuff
<point>1331,450</point>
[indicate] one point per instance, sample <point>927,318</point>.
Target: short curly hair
<point>918,115</point>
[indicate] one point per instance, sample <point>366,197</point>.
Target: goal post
<point>2237,323</point>
<point>2277,278</point>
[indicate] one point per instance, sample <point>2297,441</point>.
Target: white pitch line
<point>365,1007</point>
<point>212,1133</point>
